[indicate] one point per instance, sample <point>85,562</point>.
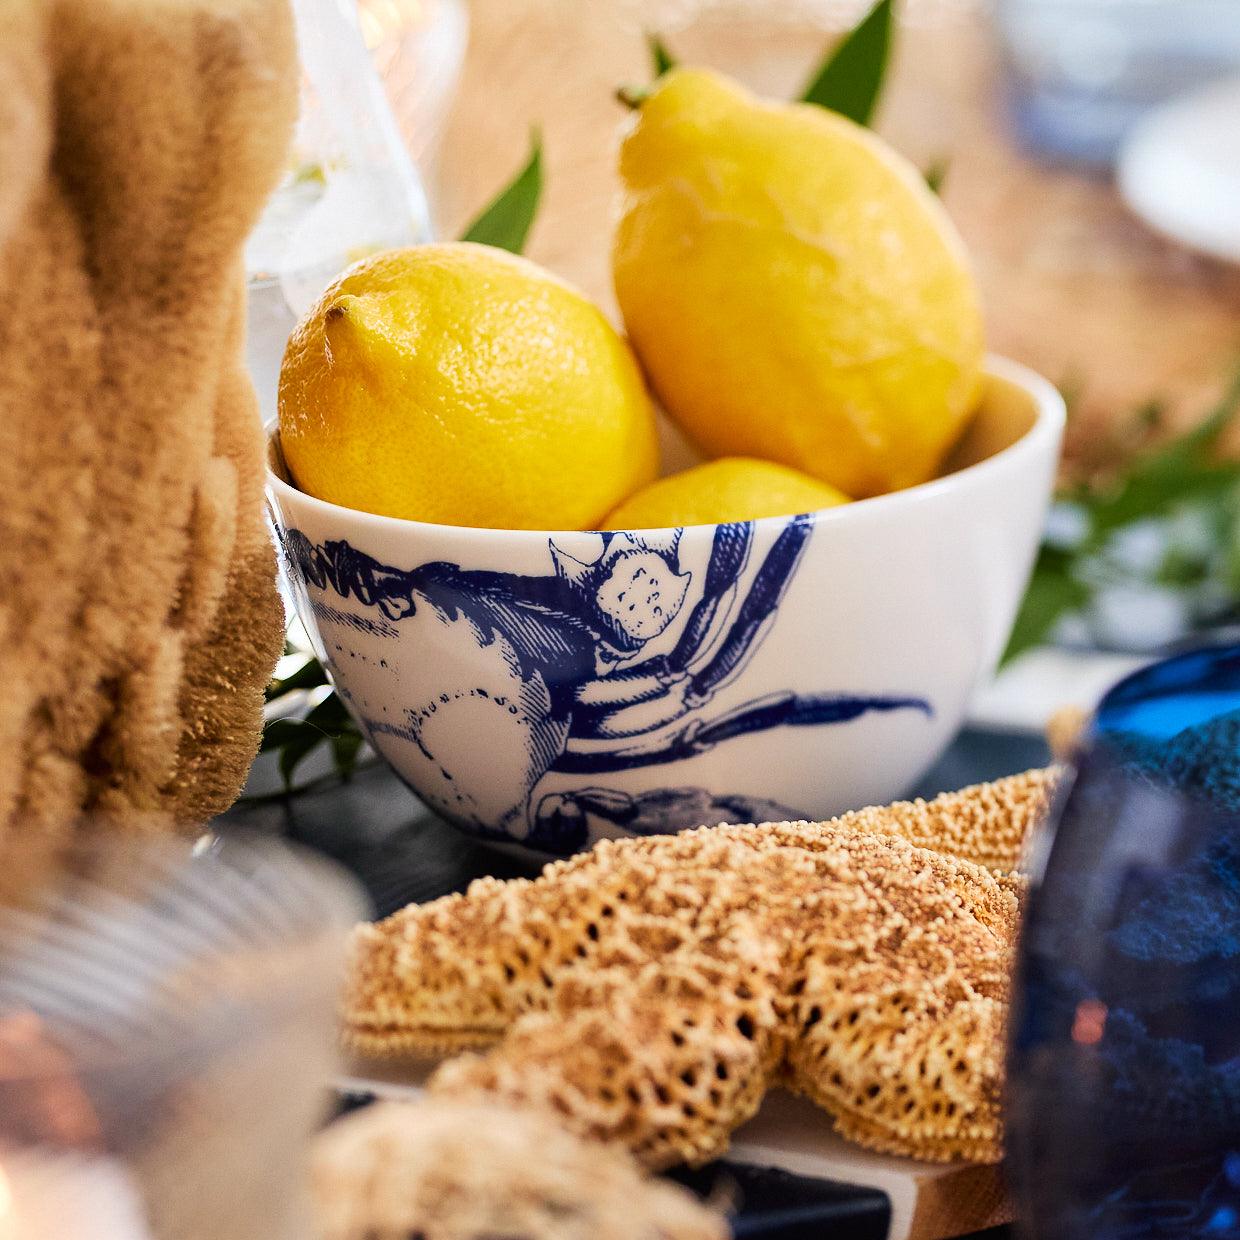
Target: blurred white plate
<point>1180,170</point>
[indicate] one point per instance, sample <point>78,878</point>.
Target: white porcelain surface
<point>551,688</point>
<point>1180,169</point>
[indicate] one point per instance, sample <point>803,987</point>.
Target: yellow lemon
<point>731,489</point>
<point>463,385</point>
<point>792,287</point>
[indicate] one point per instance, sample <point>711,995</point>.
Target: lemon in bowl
<point>729,489</point>
<point>463,385</point>
<point>793,288</point>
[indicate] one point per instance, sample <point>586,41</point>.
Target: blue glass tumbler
<point>1124,1072</point>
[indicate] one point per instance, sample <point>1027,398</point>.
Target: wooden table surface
<point>1074,285</point>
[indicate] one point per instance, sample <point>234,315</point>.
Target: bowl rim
<point>1046,428</point>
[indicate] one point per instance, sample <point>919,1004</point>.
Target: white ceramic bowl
<point>546,689</point>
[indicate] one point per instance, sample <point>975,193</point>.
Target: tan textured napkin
<point>138,613</point>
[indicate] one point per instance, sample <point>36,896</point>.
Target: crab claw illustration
<point>697,697</point>
<point>560,824</point>
<point>396,607</point>
<point>679,694</point>
<point>688,740</point>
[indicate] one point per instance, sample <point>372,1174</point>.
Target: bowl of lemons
<point>744,561</point>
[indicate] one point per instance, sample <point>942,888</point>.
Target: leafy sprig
<point>505,222</point>
<point>327,722</point>
<point>1164,490</point>
<point>850,78</point>
<point>661,60</point>
<point>936,175</point>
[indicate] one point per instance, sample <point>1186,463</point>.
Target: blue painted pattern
<point>572,672</point>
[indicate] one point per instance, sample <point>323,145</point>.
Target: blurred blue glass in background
<point>1125,1060</point>
<point>1081,73</point>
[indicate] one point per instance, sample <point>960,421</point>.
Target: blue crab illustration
<point>535,674</point>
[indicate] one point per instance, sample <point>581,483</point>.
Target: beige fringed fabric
<point>139,618</point>
<point>444,1170</point>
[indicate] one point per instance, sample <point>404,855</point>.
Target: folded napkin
<point>139,618</point>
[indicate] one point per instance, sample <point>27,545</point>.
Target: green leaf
<point>280,732</point>
<point>1157,492</point>
<point>661,60</point>
<point>1207,432</point>
<point>1230,539</point>
<point>1173,474</point>
<point>328,722</point>
<point>1053,593</point>
<point>345,749</point>
<point>506,221</point>
<point>302,743</point>
<point>850,79</point>
<point>1181,569</point>
<point>310,675</point>
<point>330,715</point>
<point>1177,478</point>
<point>936,174</point>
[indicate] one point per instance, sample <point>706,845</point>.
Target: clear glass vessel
<point>167,1038</point>
<point>351,188</point>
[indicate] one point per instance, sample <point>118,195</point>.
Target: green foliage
<point>327,722</point>
<point>936,174</point>
<point>850,79</point>
<point>506,221</point>
<point>1181,486</point>
<point>661,60</point>
<point>1053,593</point>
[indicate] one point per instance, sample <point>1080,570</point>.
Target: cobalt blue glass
<point>1124,1094</point>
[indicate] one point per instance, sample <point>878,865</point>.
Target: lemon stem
<point>633,96</point>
